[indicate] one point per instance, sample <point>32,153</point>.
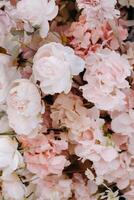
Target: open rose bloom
<point>66,100</point>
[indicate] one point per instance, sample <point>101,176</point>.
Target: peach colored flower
<point>44,155</point>
<point>85,39</point>
<point>69,111</point>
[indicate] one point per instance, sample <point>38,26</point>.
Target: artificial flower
<point>54,66</point>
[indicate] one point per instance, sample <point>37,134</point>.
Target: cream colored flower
<point>7,74</point>
<point>54,66</point>
<point>37,13</point>
<point>10,157</point>
<point>13,188</point>
<point>24,107</point>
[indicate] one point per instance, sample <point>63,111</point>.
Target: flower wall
<point>66,100</point>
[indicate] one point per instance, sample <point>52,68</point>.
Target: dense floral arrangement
<point>66,100</point>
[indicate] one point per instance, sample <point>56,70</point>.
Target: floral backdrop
<point>66,100</point>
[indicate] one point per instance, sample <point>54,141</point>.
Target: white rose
<point>10,157</point>
<point>4,125</point>
<point>24,107</point>
<point>5,26</point>
<point>22,125</point>
<point>38,13</point>
<point>24,98</point>
<point>54,67</point>
<point>7,74</point>
<point>12,188</point>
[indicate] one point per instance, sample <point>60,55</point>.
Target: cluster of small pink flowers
<point>66,100</point>
<point>85,39</point>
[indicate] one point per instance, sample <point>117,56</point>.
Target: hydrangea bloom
<point>123,123</point>
<point>106,76</point>
<point>94,152</point>
<point>53,187</point>
<point>68,111</point>
<point>98,11</point>
<point>85,39</point>
<point>44,155</point>
<point>83,190</point>
<point>119,170</point>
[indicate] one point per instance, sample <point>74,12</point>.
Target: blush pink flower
<point>120,141</point>
<point>98,11</point>
<point>123,123</point>
<point>44,155</point>
<point>119,170</point>
<point>129,47</point>
<point>129,100</point>
<point>53,187</point>
<point>130,145</point>
<point>87,150</point>
<point>69,111</point>
<point>106,75</point>
<point>83,190</point>
<point>85,39</point>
